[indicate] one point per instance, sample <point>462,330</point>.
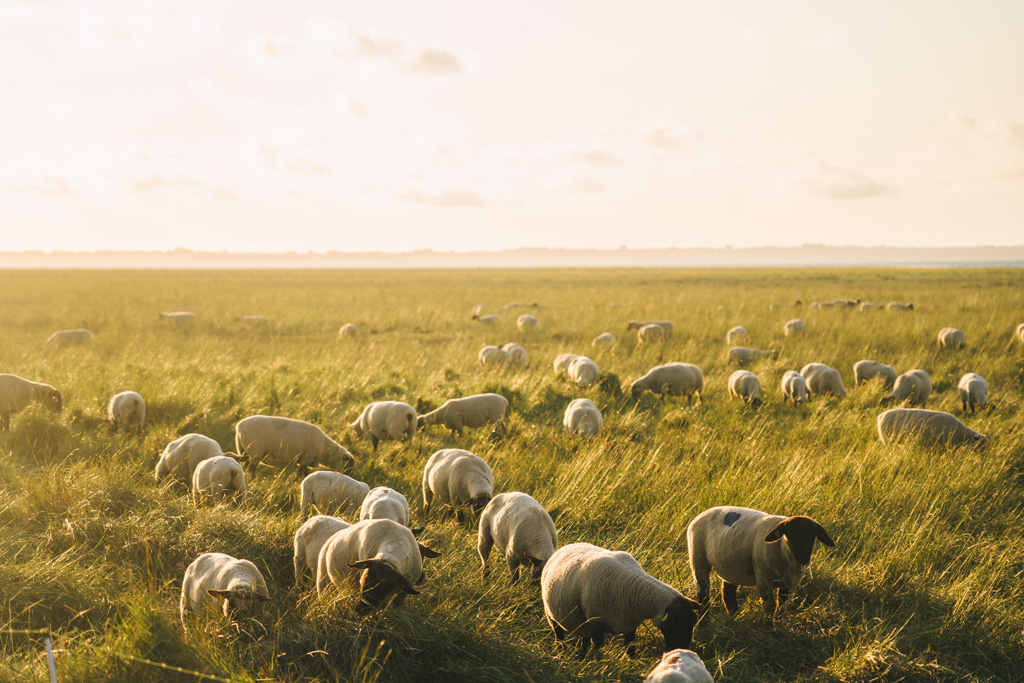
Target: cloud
<point>425,61</point>
<point>360,109</point>
<point>370,44</point>
<point>584,185</point>
<point>180,187</point>
<point>52,186</point>
<point>666,137</point>
<point>449,196</point>
<point>434,61</point>
<point>837,181</point>
<point>596,157</point>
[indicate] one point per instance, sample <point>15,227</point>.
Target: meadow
<point>924,584</point>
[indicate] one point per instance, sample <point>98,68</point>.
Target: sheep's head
<point>357,428</point>
<point>377,580</point>
<point>479,502</point>
<point>980,442</point>
<point>756,402</point>
<point>55,400</point>
<point>243,598</point>
<point>635,389</point>
<point>677,621</point>
<point>341,460</point>
<point>799,533</point>
<point>536,567</point>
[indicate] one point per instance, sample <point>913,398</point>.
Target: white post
<point>49,656</point>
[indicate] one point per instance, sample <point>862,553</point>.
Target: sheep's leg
<point>559,631</point>
<point>700,568</point>
<point>628,638</point>
<point>768,595</point>
<point>597,636</point>
<point>513,567</point>
<point>783,596</point>
<point>5,422</point>
<point>483,548</point>
<point>428,497</point>
<point>374,440</point>
<point>729,597</point>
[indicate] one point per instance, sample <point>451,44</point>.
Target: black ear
<point>417,530</point>
<point>363,564</point>
<point>428,552</point>
<point>404,584</point>
<point>776,534</point>
<point>259,597</point>
<point>823,536</point>
<point>534,561</point>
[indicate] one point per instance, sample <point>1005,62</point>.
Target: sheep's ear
<point>428,552</point>
<point>404,584</point>
<point>776,534</point>
<point>363,564</point>
<point>417,530</point>
<point>534,561</point>
<point>823,536</point>
<point>220,594</point>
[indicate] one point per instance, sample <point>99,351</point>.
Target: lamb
<point>180,319</point>
<point>181,457</point>
<point>667,327</point>
<point>913,385</point>
<point>794,327</point>
<point>331,490</point>
<point>516,354</point>
<point>736,334</point>
<point>973,390</point>
<point>582,417</point>
<point>1020,332</point>
<point>608,339</point>
<point>792,304</point>
<point>385,503</point>
<point>17,393</point>
<point>864,370</point>
<point>238,584</point>
<point>469,411</point>
<point>589,592</point>
<point>897,306</point>
<point>382,554</point>
<point>127,410</point>
<point>348,331</point>
<point>527,322</point>
<point>562,363</point>
<point>741,355</point>
<point>61,337</point>
<point>649,334</point>
<point>485,319</point>
<point>218,479</point>
<point>492,355</point>
<point>282,441</point>
<point>678,379</point>
<point>745,385</point>
<point>386,420</point>
<point>823,380</point>
<point>680,666</point>
<point>521,529</point>
<point>310,538</point>
<point>868,306</point>
<point>794,387</point>
<point>751,548</point>
<point>458,479</point>
<point>583,371</point>
<point>951,338</point>
<point>932,427</point>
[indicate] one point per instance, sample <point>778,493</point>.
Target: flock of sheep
<point>588,592</point>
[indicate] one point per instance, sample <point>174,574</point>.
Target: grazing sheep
<point>848,303</point>
<point>741,355</point>
<point>932,427</point>
<point>331,491</point>
<point>1020,332</point>
<point>179,319</point>
<point>218,479</point>
<point>666,326</point>
<point>527,322</point>
<point>745,385</point>
<point>823,380</point>
<point>589,592</point>
<point>671,379</point>
<point>479,308</point>
<point>751,548</point>
<point>469,411</point>
<point>583,371</point>
<point>897,306</point>
<point>492,355</point>
<point>386,420</point>
<point>181,457</point>
<point>127,410</point>
<point>238,584</point>
<point>736,334</point>
<point>381,554</point>
<point>458,479</point>
<point>608,339</point>
<point>680,666</point>
<point>385,503</point>
<point>16,393</point>
<point>348,331</point>
<point>913,385</point>
<point>582,417</point>
<point>794,304</point>
<point>485,319</point>
<point>868,306</point>
<point>79,336</point>
<point>952,338</point>
<point>251,320</point>
<point>973,390</point>
<point>522,530</point>
<point>794,387</point>
<point>562,363</point>
<point>864,370</point>
<point>310,538</point>
<point>649,334</point>
<point>516,354</point>
<point>282,441</point>
<point>794,327</point>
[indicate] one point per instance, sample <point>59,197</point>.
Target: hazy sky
<point>308,125</point>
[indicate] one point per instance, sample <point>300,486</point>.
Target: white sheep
<point>282,441</point>
<point>385,503</point>
<point>386,420</point>
<point>310,538</point>
<point>897,306</point>
<point>735,334</point>
<point>589,592</point>
<point>794,327</point>
<point>952,338</point>
<point>823,380</point>
<point>469,411</point>
<point>649,334</point>
<point>179,319</point>
<point>932,427</point>
<point>680,666</point>
<point>562,363</point>
<point>865,370</point>
<point>794,387</point>
<point>973,390</point>
<point>745,385</point>
<point>516,353</point>
<point>868,306</point>
<point>527,322</point>
<point>17,393</point>
<point>583,371</point>
<point>914,386</point>
<point>126,410</point>
<point>348,331</point>
<point>671,379</point>
<point>181,457</point>
<point>486,319</point>
<point>79,336</point>
<point>218,479</point>
<point>582,417</point>
<point>493,355</point>
<point>741,355</point>
<point>607,339</point>
<point>331,491</point>
<point>457,478</point>
<point>667,327</point>
<point>1020,332</point>
<point>237,584</point>
<point>521,529</point>
<point>751,548</point>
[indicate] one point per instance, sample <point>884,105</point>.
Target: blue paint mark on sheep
<point>730,518</point>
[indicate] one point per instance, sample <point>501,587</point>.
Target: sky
<point>464,125</point>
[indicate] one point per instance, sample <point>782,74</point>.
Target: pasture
<point>924,584</point>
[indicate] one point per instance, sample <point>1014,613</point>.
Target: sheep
<point>582,417</point>
<point>181,457</point>
<point>469,411</point>
<point>386,420</point>
<point>79,336</point>
<point>679,379</point>
<point>385,503</point>
<point>516,354</point>
<point>179,319</point>
<point>1020,332</point>
<point>492,355</point>
<point>897,306</point>
<point>458,479</point>
<point>848,303</point>
<point>282,441</point>
<point>589,592</point>
<point>913,385</point>
<point>667,327</point>
<point>583,371</point>
<point>745,385</point>
<point>310,538</point>
<point>608,339</point>
<point>127,410</point>
<point>932,427</point>
<point>485,319</point>
<point>751,548</point>
<point>562,363</point>
<point>17,393</point>
<point>522,530</point>
<point>382,554</point>
<point>680,666</point>
<point>479,308</point>
<point>649,334</point>
<point>741,355</point>
<point>527,322</point>
<point>794,387</point>
<point>864,370</point>
<point>973,390</point>
<point>251,320</point>
<point>218,479</point>
<point>794,327</point>
<point>348,331</point>
<point>823,380</point>
<point>793,304</point>
<point>868,306</point>
<point>238,584</point>
<point>736,334</point>
<point>951,338</point>
<point>331,490</point>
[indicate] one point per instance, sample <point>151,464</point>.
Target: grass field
<point>924,584</point>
